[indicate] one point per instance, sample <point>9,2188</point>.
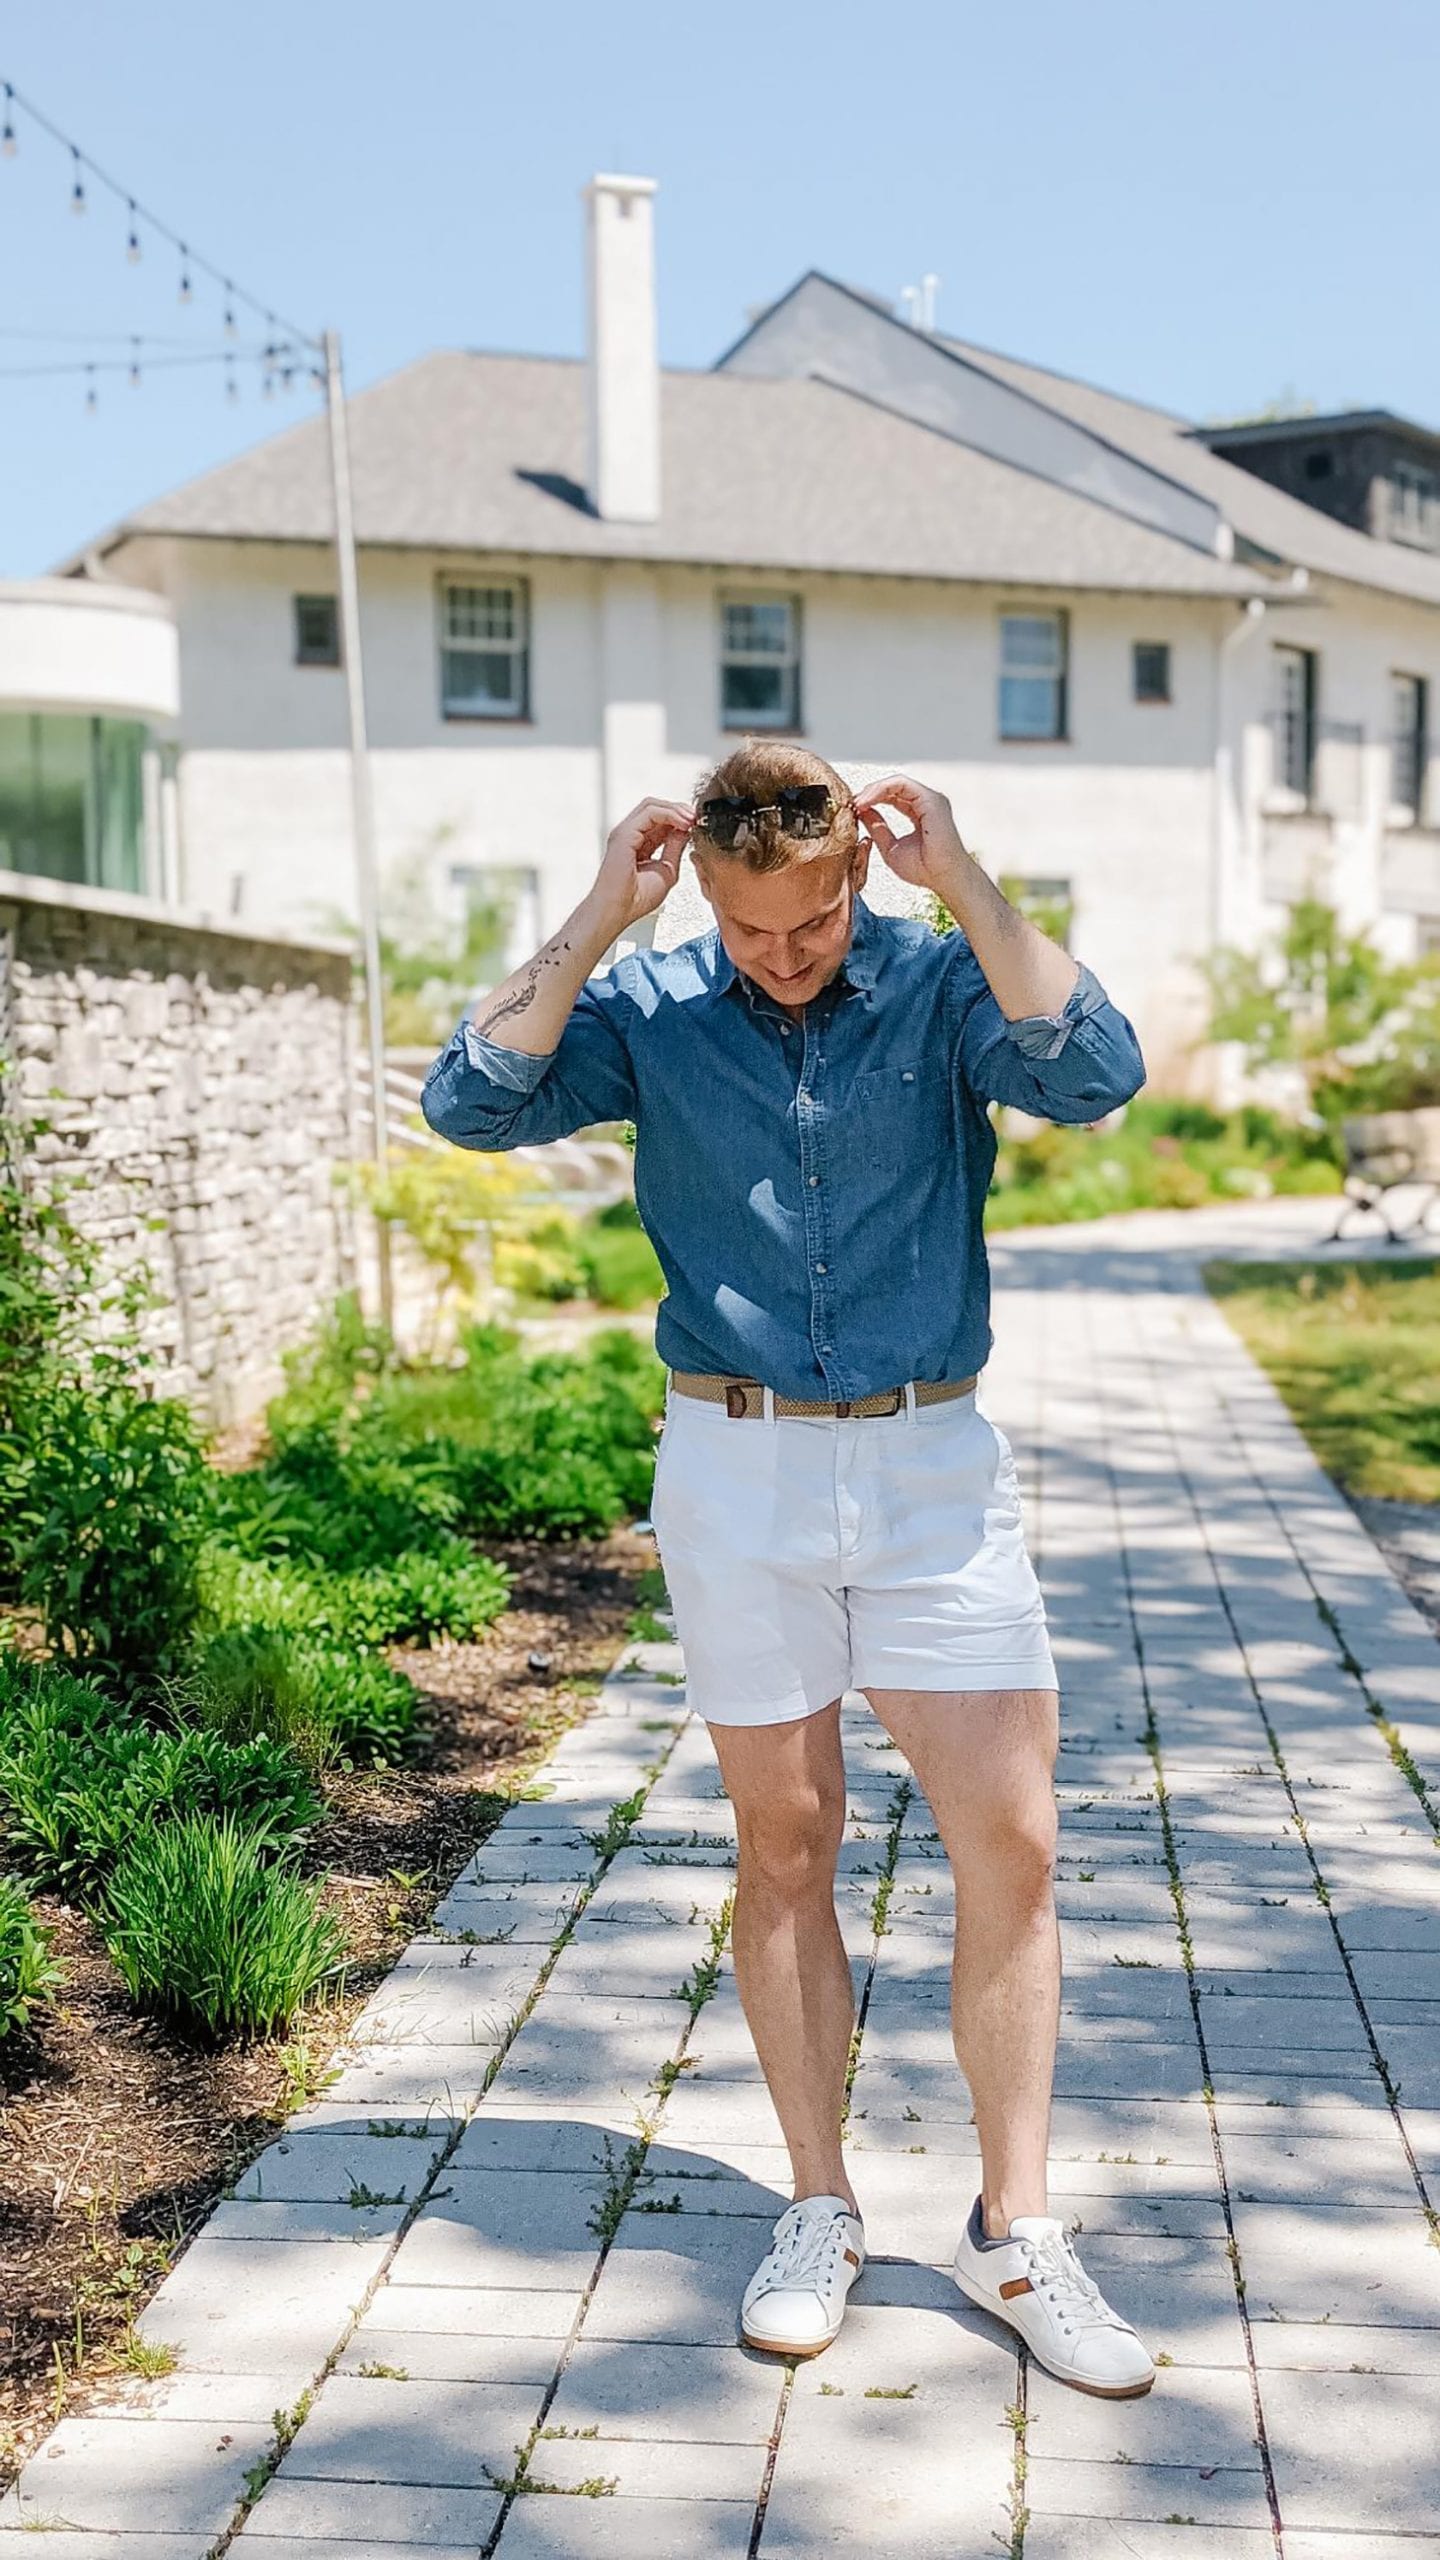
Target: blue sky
<point>1208,208</point>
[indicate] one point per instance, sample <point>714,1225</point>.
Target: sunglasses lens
<point>723,819</point>
<point>804,809</point>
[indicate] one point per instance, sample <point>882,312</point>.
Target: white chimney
<point>623,471</point>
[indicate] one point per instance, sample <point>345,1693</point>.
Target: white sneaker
<point>795,2301</point>
<point>1034,2281</point>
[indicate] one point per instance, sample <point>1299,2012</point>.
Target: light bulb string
<point>190,258</point>
<point>276,359</point>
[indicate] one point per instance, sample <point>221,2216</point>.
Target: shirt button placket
<point>816,1209</point>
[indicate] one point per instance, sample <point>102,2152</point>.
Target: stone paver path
<point>489,2280</point>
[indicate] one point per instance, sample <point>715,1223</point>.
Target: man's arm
<point>545,1052</point>
<point>1037,1028</point>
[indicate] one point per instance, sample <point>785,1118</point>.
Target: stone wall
<point>194,1085</point>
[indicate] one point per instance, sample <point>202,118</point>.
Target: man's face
<point>788,930</point>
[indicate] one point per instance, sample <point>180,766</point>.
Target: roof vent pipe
<point>623,468</point>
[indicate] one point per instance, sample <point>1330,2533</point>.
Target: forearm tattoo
<point>512,999</point>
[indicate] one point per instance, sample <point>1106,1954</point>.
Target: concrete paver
<point>1245,2185</point>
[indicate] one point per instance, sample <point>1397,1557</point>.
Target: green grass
<point>1354,1349</point>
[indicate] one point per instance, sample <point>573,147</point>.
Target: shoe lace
<point>806,2244</point>
<point>1075,2299</point>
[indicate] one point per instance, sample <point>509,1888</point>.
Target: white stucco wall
<point>1156,814</point>
<point>71,644</point>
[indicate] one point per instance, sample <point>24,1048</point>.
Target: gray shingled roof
<point>1259,513</point>
<point>487,453</point>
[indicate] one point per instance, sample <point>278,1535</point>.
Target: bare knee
<point>789,1847</point>
<point>1010,1850</point>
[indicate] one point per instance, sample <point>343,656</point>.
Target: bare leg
<point>787,1784</point>
<point>986,1762</point>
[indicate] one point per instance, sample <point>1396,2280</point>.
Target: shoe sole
<point>778,2347</point>
<point>1093,2390</point>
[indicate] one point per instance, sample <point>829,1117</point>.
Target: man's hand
<point>1026,973</point>
<point>642,860</point>
<point>930,854</point>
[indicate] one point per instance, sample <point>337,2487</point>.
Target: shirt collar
<point>860,964</point>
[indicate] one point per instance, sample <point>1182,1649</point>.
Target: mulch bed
<point>117,2136</point>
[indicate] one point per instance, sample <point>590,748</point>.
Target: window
<point>1319,464</point>
<point>1033,654</point>
<point>485,652</point>
<point>1295,691</point>
<point>72,798</point>
<point>1414,510</point>
<point>760,662</point>
<point>1048,903</point>
<point>317,631</point>
<point>1409,746</point>
<point>1152,670</point>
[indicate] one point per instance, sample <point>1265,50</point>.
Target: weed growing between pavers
<point>1017,2420</point>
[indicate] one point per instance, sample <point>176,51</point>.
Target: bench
<point>1389,1151</point>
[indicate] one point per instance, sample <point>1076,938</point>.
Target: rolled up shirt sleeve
<point>481,1094</point>
<point>1075,1065</point>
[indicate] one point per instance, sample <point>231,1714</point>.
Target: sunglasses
<point>803,809</point>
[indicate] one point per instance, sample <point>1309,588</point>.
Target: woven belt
<point>744,1398</point>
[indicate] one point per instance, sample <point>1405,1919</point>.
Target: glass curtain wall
<point>72,801</point>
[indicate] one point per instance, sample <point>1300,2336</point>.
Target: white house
<point>89,696</point>
<point>1161,688</point>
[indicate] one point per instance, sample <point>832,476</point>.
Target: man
<point>808,1083</point>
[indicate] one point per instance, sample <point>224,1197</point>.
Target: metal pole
<point>362,798</point>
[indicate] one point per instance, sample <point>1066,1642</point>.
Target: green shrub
<point>201,1926</point>
<point>29,1973</point>
<point>115,1505</point>
<point>81,1778</point>
<point>621,1266</point>
<point>325,1702</point>
<point>446,1591</point>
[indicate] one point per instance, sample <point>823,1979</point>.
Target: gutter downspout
<point>1223,776</point>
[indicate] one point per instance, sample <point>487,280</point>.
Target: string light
<point>92,396</point>
<point>135,362</point>
<point>191,263</point>
<point>228,324</point>
<point>232,387</point>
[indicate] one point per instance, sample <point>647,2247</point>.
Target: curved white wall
<point>71,644</point>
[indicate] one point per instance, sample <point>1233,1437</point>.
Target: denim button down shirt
<point>814,1189</point>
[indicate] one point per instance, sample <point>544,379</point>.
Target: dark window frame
<point>1154,649</point>
<point>518,708</point>
<point>1410,747</point>
<point>309,653</point>
<point>1297,737</point>
<point>737,722</point>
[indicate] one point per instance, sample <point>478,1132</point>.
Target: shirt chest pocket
<point>894,1117</point>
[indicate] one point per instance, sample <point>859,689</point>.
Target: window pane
<point>480,680</point>
<point>1408,745</point>
<point>71,801</point>
<point>1029,707</point>
<point>1152,671</point>
<point>758,696</point>
<point>759,628</point>
<point>317,631</point>
<point>482,613</point>
<point>118,805</point>
<point>1031,640</point>
<point>1293,718</point>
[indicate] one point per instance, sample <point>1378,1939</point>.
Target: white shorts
<point>805,1555</point>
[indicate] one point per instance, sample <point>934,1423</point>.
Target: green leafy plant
<point>324,1702</point>
<point>203,1927</point>
<point>81,1778</point>
<point>1362,1031</point>
<point>29,1974</point>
